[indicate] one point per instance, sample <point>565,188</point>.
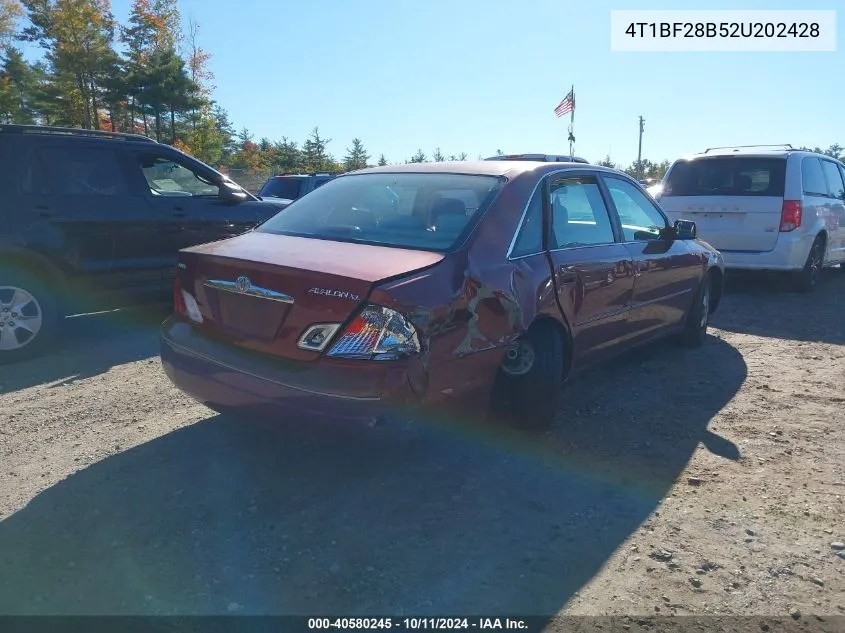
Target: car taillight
<point>790,215</point>
<point>178,300</point>
<point>184,303</point>
<point>377,333</point>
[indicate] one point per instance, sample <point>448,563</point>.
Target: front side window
<point>640,218</point>
<point>426,211</point>
<point>579,216</point>
<point>168,178</point>
<point>81,171</point>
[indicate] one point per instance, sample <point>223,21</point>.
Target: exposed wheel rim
<point>21,318</point>
<point>522,360</point>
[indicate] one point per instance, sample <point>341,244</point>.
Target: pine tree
<point>382,161</point>
<point>356,156</point>
<point>315,154</point>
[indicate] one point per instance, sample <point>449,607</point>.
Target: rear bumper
<point>790,253</point>
<point>224,377</point>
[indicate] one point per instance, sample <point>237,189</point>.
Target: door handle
<point>179,212</point>
<point>569,279</point>
<point>42,211</point>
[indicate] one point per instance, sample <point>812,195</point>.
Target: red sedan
<point>437,284</point>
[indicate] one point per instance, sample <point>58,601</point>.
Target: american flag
<point>567,105</point>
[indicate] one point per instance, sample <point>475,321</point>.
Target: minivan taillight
<point>790,215</point>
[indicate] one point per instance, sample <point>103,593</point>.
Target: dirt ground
<point>675,482</point>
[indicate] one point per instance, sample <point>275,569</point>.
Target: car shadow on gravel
<point>762,305</point>
<point>300,517</point>
<point>90,345</point>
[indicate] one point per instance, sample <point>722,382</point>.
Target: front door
<point>591,269</point>
<point>665,270</point>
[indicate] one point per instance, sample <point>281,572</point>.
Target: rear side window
<point>835,186</point>
<point>33,180</point>
<point>812,177</point>
<point>530,240</point>
<point>425,211</point>
<point>81,171</point>
<point>726,176</point>
<point>579,216</point>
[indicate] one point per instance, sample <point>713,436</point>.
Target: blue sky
<point>478,75</point>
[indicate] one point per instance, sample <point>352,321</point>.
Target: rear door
<point>86,195</point>
<point>735,201</point>
<point>835,210</point>
<point>591,269</point>
<point>816,202</point>
<point>666,272</point>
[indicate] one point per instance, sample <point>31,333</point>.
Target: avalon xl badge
<point>340,294</point>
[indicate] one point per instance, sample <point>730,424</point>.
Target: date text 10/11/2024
<point>420,624</point>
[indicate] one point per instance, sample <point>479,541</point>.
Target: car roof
<point>77,134</point>
<point>507,168</point>
<point>751,151</point>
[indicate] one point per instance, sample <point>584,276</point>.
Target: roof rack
<point>315,173</point>
<point>738,147</point>
<point>72,131</point>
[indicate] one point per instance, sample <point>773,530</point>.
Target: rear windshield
<point>288,188</point>
<point>726,176</point>
<point>427,211</point>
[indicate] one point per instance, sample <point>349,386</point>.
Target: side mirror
<point>685,230</point>
<point>230,192</point>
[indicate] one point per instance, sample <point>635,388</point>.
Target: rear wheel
<point>29,316</point>
<point>808,278</point>
<point>695,328</point>
<point>525,394</point>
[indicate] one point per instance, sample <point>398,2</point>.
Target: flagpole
<point>572,124</point>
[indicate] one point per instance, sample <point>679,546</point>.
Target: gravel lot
<point>686,482</point>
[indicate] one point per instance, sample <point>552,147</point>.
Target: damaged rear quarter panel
<point>473,304</point>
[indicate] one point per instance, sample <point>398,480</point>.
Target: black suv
<point>96,218</point>
<point>289,187</point>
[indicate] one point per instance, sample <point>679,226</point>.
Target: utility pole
<point>640,150</point>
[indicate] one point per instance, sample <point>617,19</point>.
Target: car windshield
<point>425,211</point>
<point>287,188</point>
<point>726,176</point>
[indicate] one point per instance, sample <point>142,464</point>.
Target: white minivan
<point>764,208</point>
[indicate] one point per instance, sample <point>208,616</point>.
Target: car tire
<point>808,278</point>
<point>529,401</point>
<point>29,316</point>
<point>695,328</point>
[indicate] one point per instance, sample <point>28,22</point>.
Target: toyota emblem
<point>243,284</point>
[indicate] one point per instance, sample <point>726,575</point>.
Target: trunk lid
<point>730,223</point>
<point>293,282</point>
